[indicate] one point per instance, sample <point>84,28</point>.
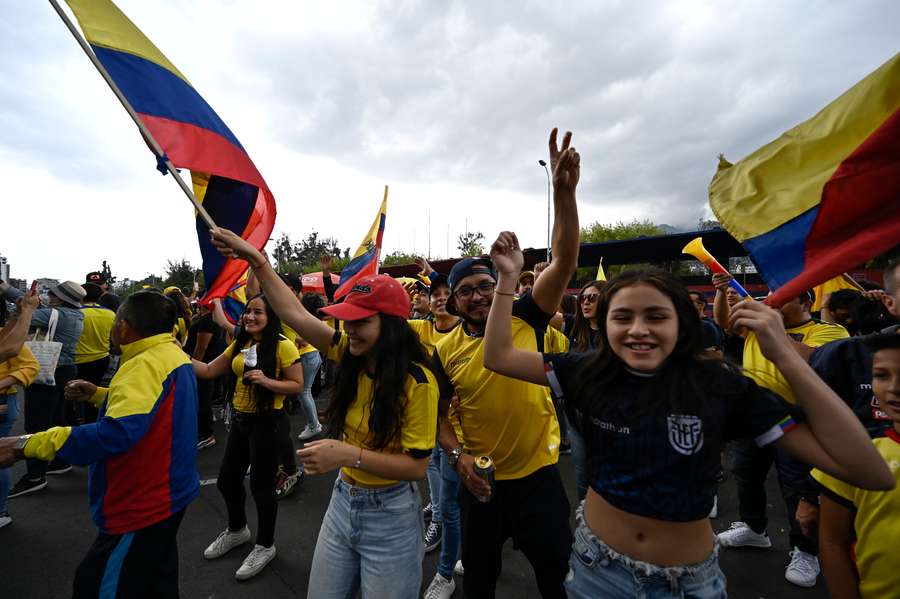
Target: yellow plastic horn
<point>695,248</point>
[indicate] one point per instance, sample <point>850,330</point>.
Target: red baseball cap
<point>372,295</point>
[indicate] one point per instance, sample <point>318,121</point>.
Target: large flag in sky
<point>365,260</point>
<point>190,133</point>
<point>825,196</point>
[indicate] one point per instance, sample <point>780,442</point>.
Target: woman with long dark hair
<point>655,413</point>
<point>584,333</point>
<point>383,422</point>
<point>263,367</point>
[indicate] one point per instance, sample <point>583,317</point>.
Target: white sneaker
<point>714,512</point>
<point>309,432</point>
<point>803,569</point>
<point>5,519</point>
<point>440,588</point>
<point>225,542</point>
<point>256,561</point>
<point>741,535</point>
<point>458,568</point>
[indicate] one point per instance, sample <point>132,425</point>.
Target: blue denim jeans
<point>596,570</point>
<point>371,541</point>
<point>434,483</point>
<point>310,363</point>
<point>6,423</point>
<point>451,538</point>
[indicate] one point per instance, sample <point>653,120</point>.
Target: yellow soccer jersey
<point>509,420</point>
<point>418,424</point>
<point>555,342</point>
<point>428,333</point>
<point>94,341</point>
<point>243,395</point>
<point>756,366</point>
<point>876,522</point>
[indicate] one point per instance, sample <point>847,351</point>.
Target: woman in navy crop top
<point>655,414</point>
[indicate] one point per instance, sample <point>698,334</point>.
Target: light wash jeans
<point>434,484</point>
<point>6,424</point>
<point>310,363</point>
<point>451,539</point>
<point>596,570</point>
<point>371,541</point>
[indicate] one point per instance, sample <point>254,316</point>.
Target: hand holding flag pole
<point>695,248</point>
<point>163,164</point>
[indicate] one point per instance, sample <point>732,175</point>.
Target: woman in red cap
<point>382,426</point>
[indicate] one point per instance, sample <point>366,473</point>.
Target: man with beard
<point>527,502</point>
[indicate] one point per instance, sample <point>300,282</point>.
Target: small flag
<point>365,260</point>
<point>601,276</point>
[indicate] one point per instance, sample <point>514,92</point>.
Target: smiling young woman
<point>655,413</point>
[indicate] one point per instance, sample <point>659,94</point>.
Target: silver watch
<point>453,455</point>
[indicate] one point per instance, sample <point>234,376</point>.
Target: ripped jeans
<point>596,570</point>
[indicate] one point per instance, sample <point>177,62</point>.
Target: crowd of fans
<point>474,381</point>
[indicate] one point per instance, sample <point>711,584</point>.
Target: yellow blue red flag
<point>365,261</point>
<point>191,134</point>
<point>825,196</point>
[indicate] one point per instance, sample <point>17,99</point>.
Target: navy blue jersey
<point>846,366</point>
<point>659,464</point>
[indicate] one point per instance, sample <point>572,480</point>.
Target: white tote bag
<point>46,351</point>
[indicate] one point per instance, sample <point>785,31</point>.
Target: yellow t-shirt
<point>428,334</point>
<point>418,423</point>
<point>94,341</point>
<point>292,336</point>
<point>555,342</point>
<point>876,522</point>
<point>764,372</point>
<point>509,420</point>
<point>243,395</point>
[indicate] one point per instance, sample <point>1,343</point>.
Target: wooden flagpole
<point>161,156</point>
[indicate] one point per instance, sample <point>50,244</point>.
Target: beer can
<point>484,467</point>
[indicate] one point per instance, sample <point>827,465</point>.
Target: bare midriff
<point>649,540</point>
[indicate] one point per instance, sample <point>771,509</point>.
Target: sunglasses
<point>588,298</point>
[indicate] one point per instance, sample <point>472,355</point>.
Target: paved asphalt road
<point>52,531</point>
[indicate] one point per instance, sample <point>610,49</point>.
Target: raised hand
<point>232,245</point>
<point>506,254</point>
<point>565,162</point>
<point>720,280</point>
<point>424,266</point>
<point>325,262</point>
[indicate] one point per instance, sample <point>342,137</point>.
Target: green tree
<point>303,256</point>
<point>182,274</point>
<point>470,244</point>
<point>708,224</point>
<point>398,257</point>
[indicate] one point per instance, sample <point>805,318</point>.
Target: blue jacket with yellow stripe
<point>142,449</point>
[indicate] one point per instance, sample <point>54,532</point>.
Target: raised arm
<point>832,439</point>
<point>499,353</point>
<point>721,311</point>
<point>279,295</point>
<point>13,334</point>
<point>550,286</point>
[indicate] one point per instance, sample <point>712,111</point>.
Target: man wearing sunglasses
<point>511,421</point>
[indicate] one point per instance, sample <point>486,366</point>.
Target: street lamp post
<point>546,170</point>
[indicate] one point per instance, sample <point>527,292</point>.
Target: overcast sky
<point>449,103</point>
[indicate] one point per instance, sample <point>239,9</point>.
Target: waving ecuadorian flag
<point>825,196</point>
<point>235,299</point>
<point>365,260</point>
<point>192,135</point>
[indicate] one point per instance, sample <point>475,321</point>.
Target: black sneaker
<point>207,442</point>
<point>428,512</point>
<point>25,486</point>
<point>58,467</point>
<point>286,483</point>
<point>433,535</point>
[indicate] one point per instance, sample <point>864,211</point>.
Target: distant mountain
<point>670,230</point>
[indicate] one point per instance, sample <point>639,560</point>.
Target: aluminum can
<point>484,467</point>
